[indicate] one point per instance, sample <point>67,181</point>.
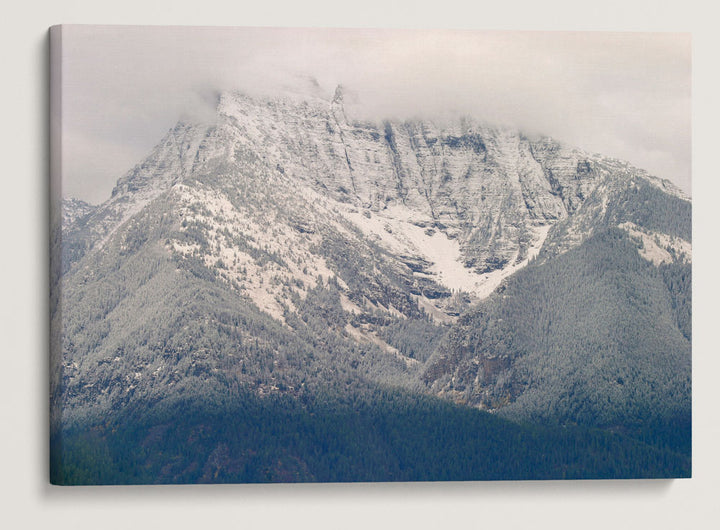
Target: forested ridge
<point>597,336</point>
<point>384,435</point>
<point>525,351</point>
<point>211,427</point>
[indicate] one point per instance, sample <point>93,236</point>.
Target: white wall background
<point>27,501</point>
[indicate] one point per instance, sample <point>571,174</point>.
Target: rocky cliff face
<point>490,190</point>
<point>485,197</point>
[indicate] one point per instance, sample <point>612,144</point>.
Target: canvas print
<point>324,255</point>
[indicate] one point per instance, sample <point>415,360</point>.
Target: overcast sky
<point>626,95</point>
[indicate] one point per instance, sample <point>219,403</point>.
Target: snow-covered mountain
<point>462,205</point>
<point>286,246</point>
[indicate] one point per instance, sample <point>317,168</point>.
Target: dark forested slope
<point>595,336</point>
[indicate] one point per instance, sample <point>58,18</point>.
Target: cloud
<point>623,94</point>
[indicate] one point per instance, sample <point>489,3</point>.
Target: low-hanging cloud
<point>622,94</point>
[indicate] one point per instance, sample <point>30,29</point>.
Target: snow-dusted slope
<point>73,210</point>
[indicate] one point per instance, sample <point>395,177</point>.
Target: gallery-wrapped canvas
<point>323,255</point>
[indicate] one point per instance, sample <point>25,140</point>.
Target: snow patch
<point>657,247</point>
<point>397,230</point>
